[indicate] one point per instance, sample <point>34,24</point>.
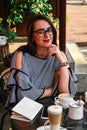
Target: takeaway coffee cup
<point>55,115</point>
<point>64,99</point>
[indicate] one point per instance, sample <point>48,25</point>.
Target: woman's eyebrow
<point>42,28</point>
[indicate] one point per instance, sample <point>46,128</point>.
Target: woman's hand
<point>47,92</point>
<point>54,50</point>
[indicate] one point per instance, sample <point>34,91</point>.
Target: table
<point>66,122</point>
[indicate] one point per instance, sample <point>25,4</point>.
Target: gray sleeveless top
<point>36,75</point>
<point>40,72</point>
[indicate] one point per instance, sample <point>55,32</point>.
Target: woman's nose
<point>46,34</point>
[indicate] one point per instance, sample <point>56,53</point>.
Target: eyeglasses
<point>42,32</point>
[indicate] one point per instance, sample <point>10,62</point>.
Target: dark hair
<point>31,46</point>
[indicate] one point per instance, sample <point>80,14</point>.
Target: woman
<point>41,62</point>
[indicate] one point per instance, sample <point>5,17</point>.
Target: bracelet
<point>63,64</point>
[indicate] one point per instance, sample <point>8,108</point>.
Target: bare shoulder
<point>19,60</point>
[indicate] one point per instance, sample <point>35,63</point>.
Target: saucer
<point>48,128</point>
<point>43,128</point>
<point>63,105</point>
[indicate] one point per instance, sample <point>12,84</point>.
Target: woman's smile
<point>46,40</point>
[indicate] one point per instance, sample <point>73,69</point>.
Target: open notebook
<point>26,110</point>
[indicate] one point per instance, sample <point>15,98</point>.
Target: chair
<point>4,94</point>
<point>5,55</point>
<point>4,51</point>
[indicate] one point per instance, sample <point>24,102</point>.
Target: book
<point>26,110</point>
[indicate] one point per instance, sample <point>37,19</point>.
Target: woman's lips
<point>46,40</point>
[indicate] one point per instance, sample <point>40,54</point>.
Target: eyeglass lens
<point>42,32</point>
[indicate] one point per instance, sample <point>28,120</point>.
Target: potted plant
<point>21,10</point>
<point>6,34</point>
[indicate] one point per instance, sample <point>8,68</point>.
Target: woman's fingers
<point>52,50</point>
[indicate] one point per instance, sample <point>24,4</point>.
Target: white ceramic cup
<point>64,99</point>
<point>55,115</point>
<point>75,111</point>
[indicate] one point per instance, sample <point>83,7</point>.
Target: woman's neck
<point>41,54</point>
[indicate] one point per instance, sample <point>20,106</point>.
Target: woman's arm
<point>63,80</point>
<point>63,69</point>
<point>47,92</point>
<point>18,62</point>
<point>64,75</point>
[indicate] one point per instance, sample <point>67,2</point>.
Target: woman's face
<point>42,34</point>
